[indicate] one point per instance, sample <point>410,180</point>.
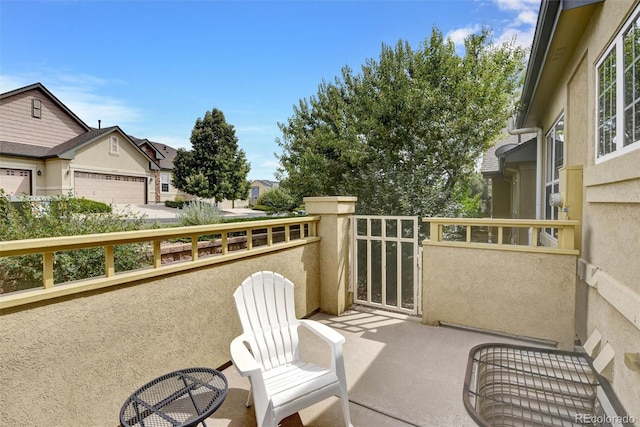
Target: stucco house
<point>580,160</point>
<point>46,149</point>
<point>259,186</point>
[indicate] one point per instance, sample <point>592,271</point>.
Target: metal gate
<point>385,262</point>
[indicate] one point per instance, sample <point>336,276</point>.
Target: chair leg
<point>249,401</point>
<point>345,409</point>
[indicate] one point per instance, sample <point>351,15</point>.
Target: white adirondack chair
<point>281,383</point>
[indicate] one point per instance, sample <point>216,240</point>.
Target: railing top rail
<point>502,221</point>
<point>62,243</point>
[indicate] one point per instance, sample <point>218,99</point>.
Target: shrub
<point>63,217</point>
<point>276,200</point>
<point>199,212</point>
<point>178,203</point>
<point>80,205</point>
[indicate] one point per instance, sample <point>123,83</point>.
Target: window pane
<point>361,227</point>
<point>549,158</point>
<point>376,227</point>
<point>391,227</point>
<point>631,85</point>
<point>628,125</point>
<point>376,271</point>
<point>361,270</point>
<point>407,229</point>
<point>636,125</point>
<point>607,97</point>
<point>408,261</point>
<point>391,273</point>
<point>558,149</point>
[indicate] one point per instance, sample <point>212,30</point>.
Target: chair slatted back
<point>265,304</point>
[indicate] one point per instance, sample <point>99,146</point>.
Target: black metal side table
<point>180,399</point>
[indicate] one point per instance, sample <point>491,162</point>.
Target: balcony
<point>73,352</point>
<point>400,373</point>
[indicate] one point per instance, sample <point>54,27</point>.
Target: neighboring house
<point>582,99</point>
<point>46,149</point>
<point>259,186</point>
<point>510,167</point>
<point>163,156</point>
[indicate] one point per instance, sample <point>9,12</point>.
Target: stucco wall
<point>611,198</point>
<point>74,362</point>
<point>624,338</point>
<point>520,293</point>
<point>96,157</point>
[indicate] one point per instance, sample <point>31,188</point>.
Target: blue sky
<point>154,67</point>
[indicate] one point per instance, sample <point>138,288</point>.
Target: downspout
<point>538,132</point>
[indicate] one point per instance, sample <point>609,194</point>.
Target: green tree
<point>277,200</point>
<point>215,167</point>
<point>404,134</point>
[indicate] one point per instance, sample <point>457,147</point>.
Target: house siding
<point>610,210</point>
<point>17,125</point>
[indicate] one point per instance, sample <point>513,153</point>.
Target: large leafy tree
<point>215,167</point>
<point>405,133</point>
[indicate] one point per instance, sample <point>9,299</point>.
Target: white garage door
<point>111,188</point>
<point>15,181</point>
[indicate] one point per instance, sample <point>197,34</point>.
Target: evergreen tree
<point>215,167</point>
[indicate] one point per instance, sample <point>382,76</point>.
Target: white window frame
<point>551,171</point>
<point>114,145</point>
<point>164,179</point>
<point>617,47</point>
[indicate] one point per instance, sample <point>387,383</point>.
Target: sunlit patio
<point>400,373</point>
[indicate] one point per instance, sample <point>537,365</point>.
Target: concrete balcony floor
<point>399,373</point>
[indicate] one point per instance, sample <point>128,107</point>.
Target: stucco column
<point>333,228</point>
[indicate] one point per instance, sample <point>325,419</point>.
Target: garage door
<point>111,188</point>
<point>15,181</point>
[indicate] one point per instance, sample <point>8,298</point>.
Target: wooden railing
<point>306,232</point>
<point>471,227</point>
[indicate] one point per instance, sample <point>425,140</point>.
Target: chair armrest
<point>323,331</point>
<point>242,358</point>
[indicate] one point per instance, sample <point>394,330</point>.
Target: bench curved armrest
<point>323,331</point>
<point>242,358</point>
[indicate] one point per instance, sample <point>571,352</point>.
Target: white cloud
<point>522,27</point>
<point>528,17</point>
<point>517,5</point>
<point>523,38</point>
<point>457,36</point>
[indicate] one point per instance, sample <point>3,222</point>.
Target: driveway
<point>164,214</point>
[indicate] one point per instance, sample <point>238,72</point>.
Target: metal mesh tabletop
<point>181,398</point>
<point>508,385</point>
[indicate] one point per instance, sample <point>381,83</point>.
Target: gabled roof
<point>67,150</point>
<point>168,153</point>
<point>144,141</point>
<point>45,91</point>
<point>267,183</point>
<point>490,160</point>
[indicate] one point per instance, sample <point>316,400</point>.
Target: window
<point>114,145</point>
<point>164,180</point>
<point>618,80</point>
<point>554,161</point>
<point>36,108</point>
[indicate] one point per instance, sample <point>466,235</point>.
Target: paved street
<point>164,214</point>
